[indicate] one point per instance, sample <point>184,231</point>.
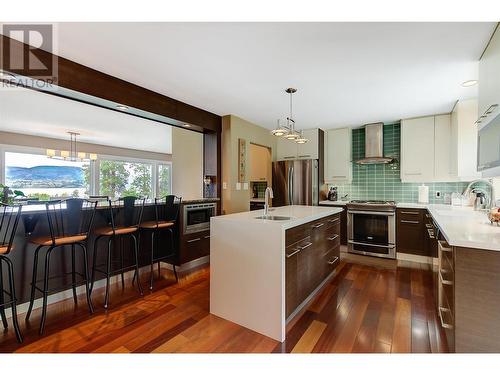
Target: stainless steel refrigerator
<point>295,182</point>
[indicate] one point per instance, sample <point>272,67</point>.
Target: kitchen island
<point>263,272</point>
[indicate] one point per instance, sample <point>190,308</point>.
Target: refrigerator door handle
<point>290,184</point>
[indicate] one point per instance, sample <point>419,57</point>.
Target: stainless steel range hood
<point>374,145</point>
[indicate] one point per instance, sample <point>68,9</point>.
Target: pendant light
<point>288,131</point>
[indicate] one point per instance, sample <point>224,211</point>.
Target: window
<point>164,180</point>
<point>40,177</point>
<point>121,178</point>
<point>37,176</point>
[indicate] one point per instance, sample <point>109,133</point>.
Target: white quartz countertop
<point>464,227</point>
<point>299,215</point>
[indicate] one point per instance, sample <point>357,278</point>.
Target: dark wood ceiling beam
<point>81,78</point>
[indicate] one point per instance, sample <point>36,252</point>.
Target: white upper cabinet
<point>442,149</point>
<point>463,141</point>
<point>338,165</point>
<point>417,149</point>
<point>289,150</point>
<point>489,80</point>
<point>286,149</point>
<point>309,150</point>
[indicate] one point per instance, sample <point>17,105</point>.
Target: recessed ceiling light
<point>469,83</point>
<point>122,107</point>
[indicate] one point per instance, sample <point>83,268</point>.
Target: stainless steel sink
<point>271,217</point>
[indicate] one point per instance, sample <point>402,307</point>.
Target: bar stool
<point>125,216</point>
<point>70,222</point>
<point>9,218</point>
<point>166,216</point>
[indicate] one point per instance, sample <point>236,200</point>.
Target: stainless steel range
<point>371,228</point>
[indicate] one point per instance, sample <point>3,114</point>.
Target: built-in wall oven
<point>371,228</point>
<point>196,217</point>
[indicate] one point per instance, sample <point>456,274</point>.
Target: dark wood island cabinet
<point>312,254</point>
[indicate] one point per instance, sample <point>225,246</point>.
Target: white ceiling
<point>346,73</point>
<point>34,113</point>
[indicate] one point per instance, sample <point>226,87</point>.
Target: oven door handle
<point>381,213</point>
<point>373,245</point>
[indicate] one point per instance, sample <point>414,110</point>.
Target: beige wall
<point>234,128</point>
<point>187,163</point>
<point>24,140</point>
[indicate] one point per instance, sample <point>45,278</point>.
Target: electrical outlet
<point>224,185</point>
<point>438,194</point>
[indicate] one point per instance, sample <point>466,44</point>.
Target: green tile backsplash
<point>382,181</point>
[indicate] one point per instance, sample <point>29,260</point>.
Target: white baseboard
<point>68,293</point>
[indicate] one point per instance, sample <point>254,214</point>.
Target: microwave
<point>196,217</point>
<point>488,145</point>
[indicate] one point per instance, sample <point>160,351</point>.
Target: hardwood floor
<point>369,306</point>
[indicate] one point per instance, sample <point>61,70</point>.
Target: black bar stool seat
<point>166,216</point>
<point>125,218</point>
<point>9,218</point>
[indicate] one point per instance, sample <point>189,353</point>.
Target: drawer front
<point>297,234</point>
<point>331,260</point>
<point>195,246</point>
<point>412,215</point>
<point>446,290</point>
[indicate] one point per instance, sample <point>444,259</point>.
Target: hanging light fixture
<point>73,154</point>
<point>288,131</point>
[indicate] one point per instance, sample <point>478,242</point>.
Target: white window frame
<point>94,166</point>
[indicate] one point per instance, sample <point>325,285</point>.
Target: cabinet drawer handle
<point>194,240</point>
<point>443,280</point>
<point>333,220</point>
<point>413,174</point>
<point>333,238</point>
<point>304,156</point>
<point>289,157</point>
<point>409,212</point>
<point>293,253</point>
<point>410,221</point>
<point>443,324</point>
<point>318,225</point>
<point>207,236</point>
<point>338,176</point>
<point>334,260</point>
<point>305,246</point>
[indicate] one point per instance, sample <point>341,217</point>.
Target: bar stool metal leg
<point>136,253</point>
<point>33,282</point>
<point>108,272</point>
<point>15,323</point>
<point>172,244</point>
<point>45,288</point>
<point>152,260</point>
<point>94,259</point>
<point>87,280</point>
<point>2,301</point>
<point>121,260</point>
<point>73,275</point>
